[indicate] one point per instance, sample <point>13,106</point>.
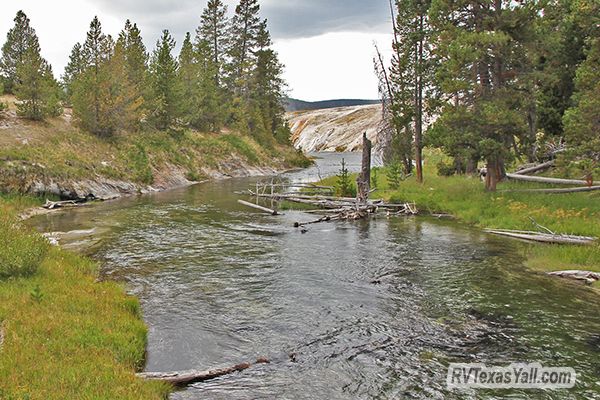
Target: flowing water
<point>361,310</point>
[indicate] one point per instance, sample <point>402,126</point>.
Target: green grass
<point>64,334</point>
<point>22,251</point>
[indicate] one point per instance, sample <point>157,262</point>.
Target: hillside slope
<point>334,129</point>
<point>58,158</point>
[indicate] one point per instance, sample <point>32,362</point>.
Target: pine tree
<point>210,50</point>
<point>165,101</point>
<point>98,101</point>
<point>482,51</point>
<point>131,65</point>
<point>73,71</point>
<point>243,34</point>
<point>36,88</point>
<point>189,81</point>
<point>344,185</point>
<point>211,36</point>
<point>268,86</point>
<point>582,121</point>
<point>136,57</point>
<point>411,76</point>
<point>18,41</point>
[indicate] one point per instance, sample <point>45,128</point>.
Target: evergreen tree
<point>189,81</point>
<point>482,50</point>
<point>18,41</point>
<point>210,48</point>
<point>136,57</point>
<point>211,107</point>
<point>211,36</point>
<point>131,57</point>
<point>243,34</point>
<point>73,71</point>
<point>36,88</point>
<point>102,99</point>
<point>268,87</point>
<point>165,98</point>
<point>411,75</point>
<point>124,102</point>
<point>582,122</point>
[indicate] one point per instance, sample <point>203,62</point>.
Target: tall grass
<point>21,252</point>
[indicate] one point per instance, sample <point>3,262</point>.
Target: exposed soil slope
<point>334,129</point>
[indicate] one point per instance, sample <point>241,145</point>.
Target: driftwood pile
<point>321,197</point>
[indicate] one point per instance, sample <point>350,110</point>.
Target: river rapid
<point>353,310</point>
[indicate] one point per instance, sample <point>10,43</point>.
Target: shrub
<point>375,177</point>
<point>395,175</point>
<point>22,252</point>
<point>142,171</point>
<point>344,185</point>
<point>445,169</point>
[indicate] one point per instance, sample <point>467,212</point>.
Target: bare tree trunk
<point>364,179</point>
<point>493,176</point>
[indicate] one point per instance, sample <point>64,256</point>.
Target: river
<point>361,310</point>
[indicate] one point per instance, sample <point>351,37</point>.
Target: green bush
<point>22,252</point>
<point>344,185</point>
<point>142,171</point>
<point>395,175</point>
<point>445,169</point>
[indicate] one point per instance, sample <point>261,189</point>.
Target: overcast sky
<point>326,45</point>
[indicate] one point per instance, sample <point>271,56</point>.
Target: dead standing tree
<point>364,179</point>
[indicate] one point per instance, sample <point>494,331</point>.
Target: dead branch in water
<point>257,207</point>
<point>187,377</point>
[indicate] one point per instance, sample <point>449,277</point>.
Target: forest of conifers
<point>494,81</point>
<point>226,74</point>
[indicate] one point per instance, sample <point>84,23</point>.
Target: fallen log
<point>257,207</point>
<point>544,237</point>
<point>52,205</point>
<point>586,276</point>
<point>555,191</point>
<point>540,179</point>
<point>193,376</point>
<point>537,168</point>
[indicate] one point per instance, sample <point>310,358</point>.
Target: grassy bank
<point>465,199</point>
<point>64,335</point>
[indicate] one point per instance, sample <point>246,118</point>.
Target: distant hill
<point>334,129</point>
<point>300,105</point>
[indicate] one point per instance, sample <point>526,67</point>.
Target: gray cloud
<point>293,19</point>
<point>288,19</point>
